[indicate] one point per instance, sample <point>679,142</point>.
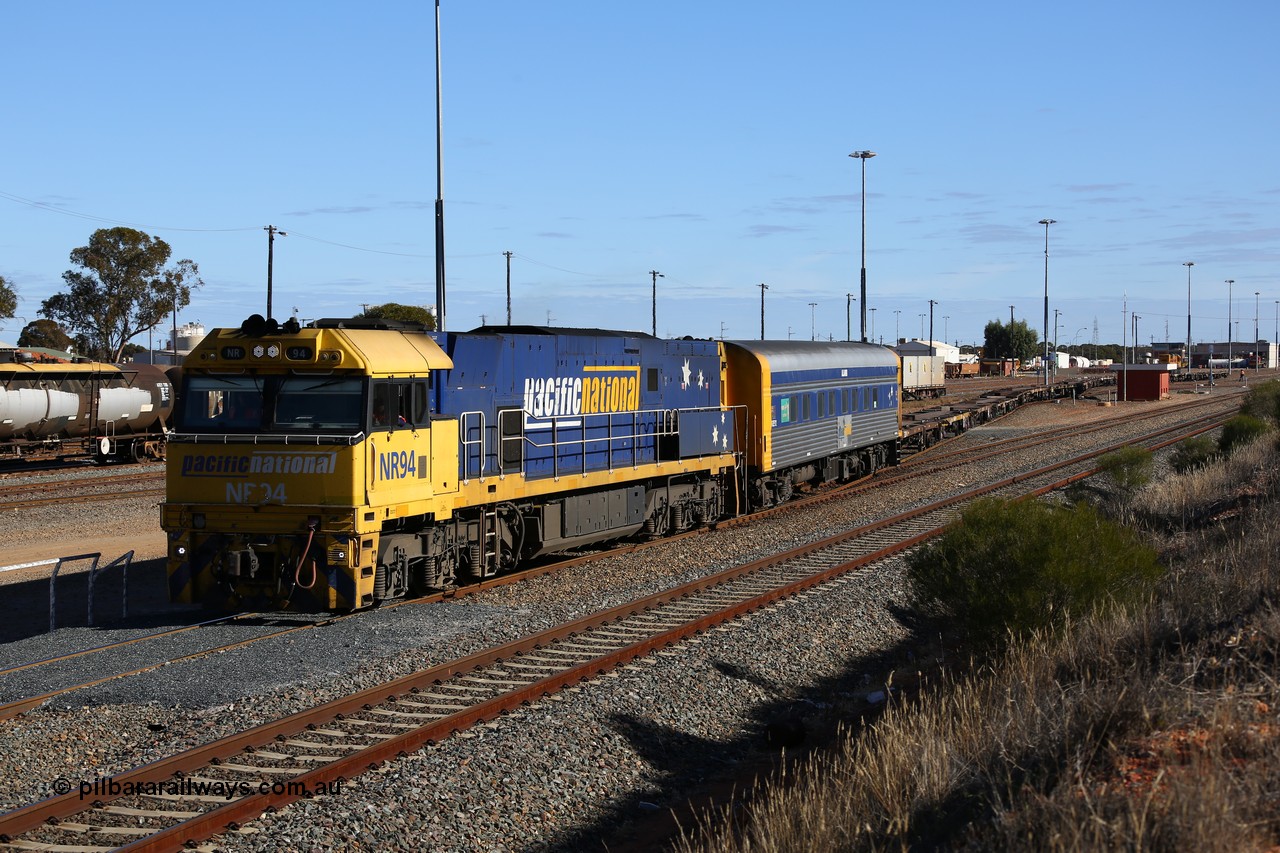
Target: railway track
<point>942,455</point>
<point>97,488</point>
<point>311,751</point>
<point>176,649</point>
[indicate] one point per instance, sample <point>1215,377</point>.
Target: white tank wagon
<point>114,412</point>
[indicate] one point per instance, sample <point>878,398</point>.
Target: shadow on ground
<point>694,774</point>
<point>30,610</point>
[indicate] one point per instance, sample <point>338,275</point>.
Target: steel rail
<point>918,464</point>
<point>507,658</point>
<point>20,706</point>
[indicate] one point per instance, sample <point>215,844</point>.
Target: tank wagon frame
<point>112,412</point>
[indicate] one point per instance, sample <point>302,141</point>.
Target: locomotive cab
<point>295,450</point>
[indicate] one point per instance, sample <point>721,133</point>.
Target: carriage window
<point>822,404</point>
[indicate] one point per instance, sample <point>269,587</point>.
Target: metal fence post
<point>125,558</point>
<point>53,597</point>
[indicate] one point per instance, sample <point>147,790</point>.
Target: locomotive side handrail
<point>466,445</point>
<point>481,443</point>
<point>264,438</point>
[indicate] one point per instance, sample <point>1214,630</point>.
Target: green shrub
<point>1263,401</point>
<point>1240,430</point>
<point>1129,468</point>
<point>1195,452</point>
<point>1010,568</point>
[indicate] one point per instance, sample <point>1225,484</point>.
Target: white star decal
<point>715,435</point>
<point>687,374</point>
<point>700,379</point>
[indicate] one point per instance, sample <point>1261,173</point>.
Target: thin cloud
<point>770,230</point>
<point>328,211</point>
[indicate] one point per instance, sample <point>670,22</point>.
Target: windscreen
<point>272,404</point>
<point>318,403</point>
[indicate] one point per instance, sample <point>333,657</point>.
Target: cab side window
<point>400,404</point>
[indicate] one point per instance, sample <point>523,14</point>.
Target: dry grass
<point>1156,730</point>
<point>1187,500</point>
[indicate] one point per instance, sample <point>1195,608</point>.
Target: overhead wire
<point>76,214</point>
<point>39,205</point>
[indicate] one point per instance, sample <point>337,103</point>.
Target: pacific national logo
<point>601,390</point>
<point>258,462</point>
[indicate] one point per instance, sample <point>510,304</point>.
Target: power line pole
<point>656,275</point>
<point>932,351</point>
<point>508,254</point>
<point>1186,366</point>
<point>864,156</point>
<point>763,288</point>
<point>272,231</point>
<point>1046,223</point>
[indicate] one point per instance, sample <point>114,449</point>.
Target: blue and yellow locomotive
<point>352,461</point>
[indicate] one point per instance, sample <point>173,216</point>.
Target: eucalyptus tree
<point>8,300</point>
<point>403,313</point>
<point>122,287</point>
<point>1010,340</point>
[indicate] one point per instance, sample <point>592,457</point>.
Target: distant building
<point>1241,354</point>
<point>181,342</point>
<point>949,353</point>
<point>1142,381</point>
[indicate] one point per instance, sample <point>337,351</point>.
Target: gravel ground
<point>574,772</point>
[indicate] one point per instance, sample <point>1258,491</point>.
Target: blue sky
<point>597,141</point>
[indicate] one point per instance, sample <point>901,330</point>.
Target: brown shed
<point>1142,381</point>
